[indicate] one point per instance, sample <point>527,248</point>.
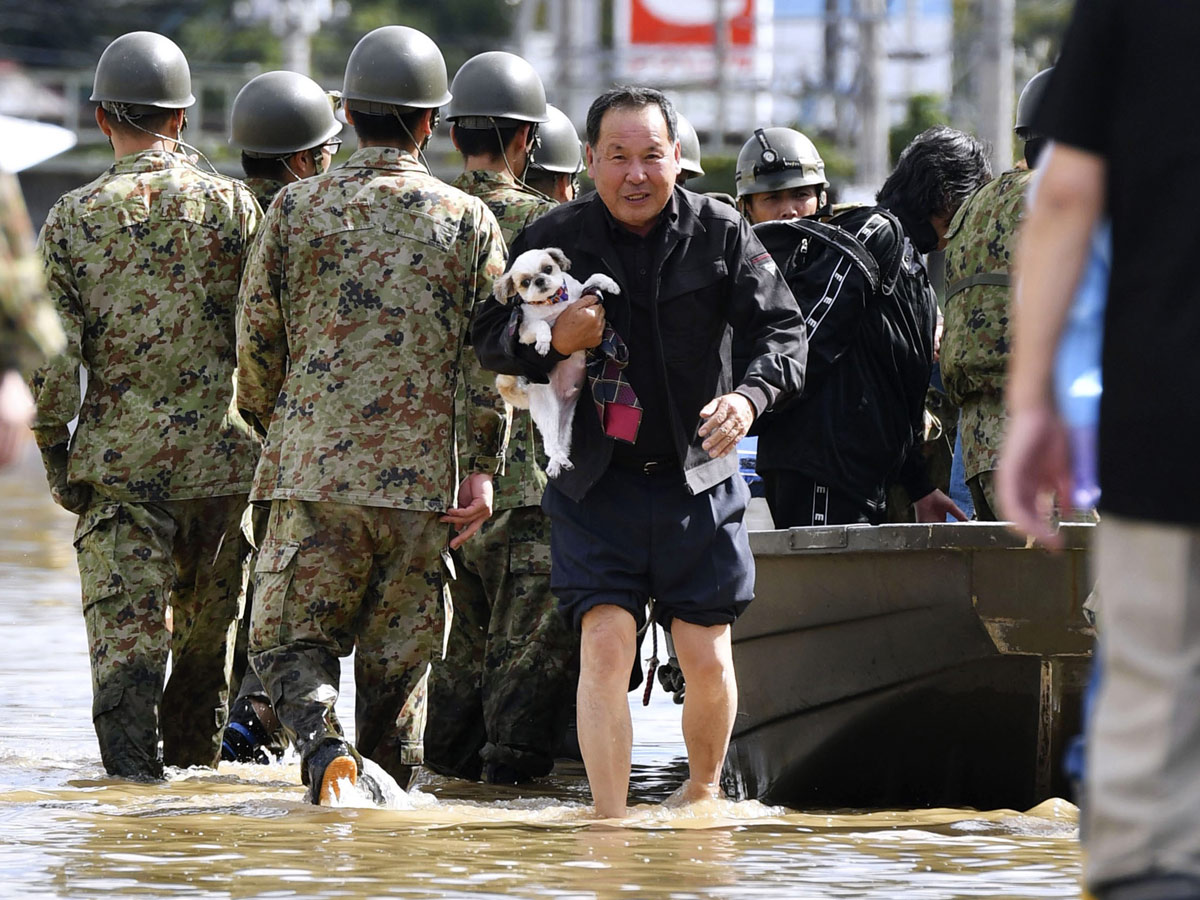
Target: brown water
<point>244,831</point>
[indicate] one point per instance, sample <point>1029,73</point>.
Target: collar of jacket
<point>494,180</point>
<point>596,221</point>
<point>149,161</point>
<point>390,158</point>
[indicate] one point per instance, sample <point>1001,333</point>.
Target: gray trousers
<point>1142,803</point>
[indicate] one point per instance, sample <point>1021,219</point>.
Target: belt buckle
<point>651,467</point>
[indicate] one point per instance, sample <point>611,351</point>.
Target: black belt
<point>659,466</point>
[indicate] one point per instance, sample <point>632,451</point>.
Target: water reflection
<point>244,831</point>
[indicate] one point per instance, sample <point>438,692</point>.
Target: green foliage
<point>1038,30</point>
<point>923,111</point>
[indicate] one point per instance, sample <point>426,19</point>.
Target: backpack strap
<point>843,241</point>
<point>992,279</point>
<point>889,267</point>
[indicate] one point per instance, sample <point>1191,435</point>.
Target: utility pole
<point>721,50</point>
<point>996,81</point>
<point>294,22</point>
<point>872,157</point>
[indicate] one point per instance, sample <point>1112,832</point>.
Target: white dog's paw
<point>542,346</point>
<point>557,465</point>
<point>603,282</point>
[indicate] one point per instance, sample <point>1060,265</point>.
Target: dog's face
<point>536,275</point>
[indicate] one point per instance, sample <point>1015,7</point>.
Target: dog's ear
<point>502,289</point>
<point>559,257</point>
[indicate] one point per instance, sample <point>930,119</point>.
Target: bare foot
<point>693,792</point>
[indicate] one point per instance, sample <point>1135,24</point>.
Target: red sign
<point>689,22</point>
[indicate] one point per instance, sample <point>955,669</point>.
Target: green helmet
<point>559,149</point>
<point>689,146</point>
<point>1027,103</point>
<point>395,66</point>
<point>280,113</point>
<point>495,86</point>
<point>776,159</point>
<point>143,69</point>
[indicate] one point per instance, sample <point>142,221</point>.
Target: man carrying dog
<point>653,508</point>
<point>144,265</point>
<point>351,346</point>
<point>498,702</point>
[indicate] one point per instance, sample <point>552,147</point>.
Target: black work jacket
<point>860,419</point>
<point>713,275</point>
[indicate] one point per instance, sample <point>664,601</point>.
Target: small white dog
<point>540,278</point>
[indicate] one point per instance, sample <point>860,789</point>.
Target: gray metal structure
<point>899,666</point>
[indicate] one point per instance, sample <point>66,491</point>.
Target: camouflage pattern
<point>143,265</point>
<point>352,336</point>
<point>524,479</point>
<point>29,326</point>
<point>263,189</point>
<point>135,561</point>
<point>504,692</point>
<point>977,336</point>
<point>336,577</point>
<point>510,667</point>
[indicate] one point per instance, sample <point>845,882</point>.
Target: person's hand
<point>474,507</point>
<point>935,505</point>
<point>16,412</point>
<point>579,327</point>
<point>726,421</point>
<point>938,330</point>
<point>1035,468</point>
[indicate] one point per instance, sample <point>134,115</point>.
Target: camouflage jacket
<point>976,338</point>
<point>29,326</point>
<point>144,265</point>
<point>524,478</point>
<point>263,189</point>
<point>355,313</point>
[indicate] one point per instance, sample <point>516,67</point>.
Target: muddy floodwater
<point>66,830</point>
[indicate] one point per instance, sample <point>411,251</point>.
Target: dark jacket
<point>713,275</point>
<point>861,415</point>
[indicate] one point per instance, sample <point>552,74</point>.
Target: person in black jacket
<point>653,506</point>
<point>828,458</point>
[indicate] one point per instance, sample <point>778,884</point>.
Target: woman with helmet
<point>780,175</point>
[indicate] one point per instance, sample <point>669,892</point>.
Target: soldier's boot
<point>251,731</point>
<point>331,767</point>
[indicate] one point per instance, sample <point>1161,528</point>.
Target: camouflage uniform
<point>351,345</point>
<point>976,337</point>
<point>263,189</point>
<point>502,693</point>
<point>144,265</point>
<point>29,326</point>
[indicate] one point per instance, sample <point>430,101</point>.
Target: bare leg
<point>607,648</point>
<point>709,706</point>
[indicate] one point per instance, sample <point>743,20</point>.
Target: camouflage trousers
<point>502,696</point>
<point>333,578</point>
<point>135,561</point>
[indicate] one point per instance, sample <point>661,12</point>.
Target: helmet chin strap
<point>420,145</point>
<point>120,112</point>
<point>535,141</point>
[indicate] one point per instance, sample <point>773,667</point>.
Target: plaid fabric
<point>616,403</point>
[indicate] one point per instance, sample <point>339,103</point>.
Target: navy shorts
<point>635,537</point>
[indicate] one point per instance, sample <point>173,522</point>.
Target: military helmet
<point>143,69</point>
<point>395,66</point>
<point>279,113</point>
<point>559,149</point>
<point>689,146</point>
<point>1027,103</point>
<point>496,86</point>
<point>776,159</point>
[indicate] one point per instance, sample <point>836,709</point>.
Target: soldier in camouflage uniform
<point>351,346</point>
<point>284,125</point>
<point>144,265</point>
<point>976,340</point>
<point>29,327</point>
<point>498,702</point>
<point>556,165</point>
